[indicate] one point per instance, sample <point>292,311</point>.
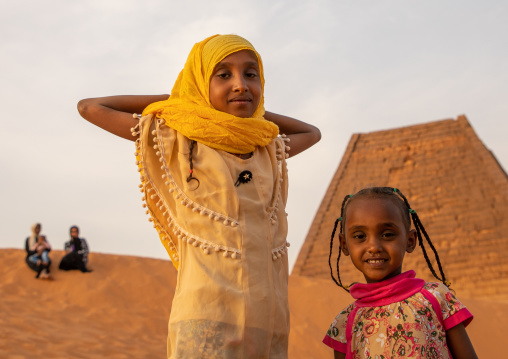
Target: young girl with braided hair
<point>214,181</point>
<point>395,315</point>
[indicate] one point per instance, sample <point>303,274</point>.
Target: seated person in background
<point>37,249</point>
<point>41,250</point>
<point>77,253</point>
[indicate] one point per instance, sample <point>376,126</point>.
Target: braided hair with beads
<point>191,165</point>
<point>408,215</point>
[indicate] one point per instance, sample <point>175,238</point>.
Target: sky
<point>344,66</point>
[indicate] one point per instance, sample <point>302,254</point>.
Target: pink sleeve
<point>335,337</point>
<point>463,316</point>
<point>334,344</point>
<point>453,312</point>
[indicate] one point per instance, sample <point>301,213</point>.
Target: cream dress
<point>227,241</point>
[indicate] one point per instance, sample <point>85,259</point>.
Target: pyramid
<point>451,179</point>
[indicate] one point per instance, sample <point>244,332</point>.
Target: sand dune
<point>121,310</point>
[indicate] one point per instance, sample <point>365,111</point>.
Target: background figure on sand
<point>37,253</point>
<point>77,253</point>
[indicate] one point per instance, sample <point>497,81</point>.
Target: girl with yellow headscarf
<point>213,172</point>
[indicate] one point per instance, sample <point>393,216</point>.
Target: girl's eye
<point>251,75</point>
<point>359,236</point>
<point>223,75</point>
<point>388,235</point>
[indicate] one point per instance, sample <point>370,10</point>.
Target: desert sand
<point>121,309</point>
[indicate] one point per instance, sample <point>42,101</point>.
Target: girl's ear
<point>343,244</point>
<point>411,241</point>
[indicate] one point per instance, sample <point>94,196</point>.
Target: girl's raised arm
<point>114,113</point>
<point>302,134</point>
<point>459,344</point>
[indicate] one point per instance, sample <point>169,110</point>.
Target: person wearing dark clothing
<point>77,253</point>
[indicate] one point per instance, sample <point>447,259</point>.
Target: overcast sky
<point>344,66</point>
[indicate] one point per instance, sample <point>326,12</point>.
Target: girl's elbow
<point>316,135</point>
<point>83,107</point>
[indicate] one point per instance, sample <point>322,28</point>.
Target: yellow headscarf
<point>189,111</point>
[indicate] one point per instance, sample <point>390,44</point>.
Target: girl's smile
<point>376,237</point>
<point>235,84</point>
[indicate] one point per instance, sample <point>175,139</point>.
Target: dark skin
<point>114,114</point>
<point>365,219</point>
<point>459,343</point>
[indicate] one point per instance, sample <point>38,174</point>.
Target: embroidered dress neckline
<point>237,158</point>
<point>387,291</point>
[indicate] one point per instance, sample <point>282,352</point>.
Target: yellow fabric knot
<point>448,284</point>
<point>189,111</point>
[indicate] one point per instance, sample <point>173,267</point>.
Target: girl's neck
<point>243,156</point>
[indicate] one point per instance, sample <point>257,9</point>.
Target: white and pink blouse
<point>402,317</point>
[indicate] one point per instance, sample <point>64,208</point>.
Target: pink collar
<point>387,291</point>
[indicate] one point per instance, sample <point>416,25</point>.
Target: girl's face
<point>235,85</point>
<point>37,229</point>
<point>376,238</point>
<point>74,233</point>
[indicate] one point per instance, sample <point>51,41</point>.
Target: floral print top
<point>402,317</point>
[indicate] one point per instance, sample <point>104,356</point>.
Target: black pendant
<point>243,177</point>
